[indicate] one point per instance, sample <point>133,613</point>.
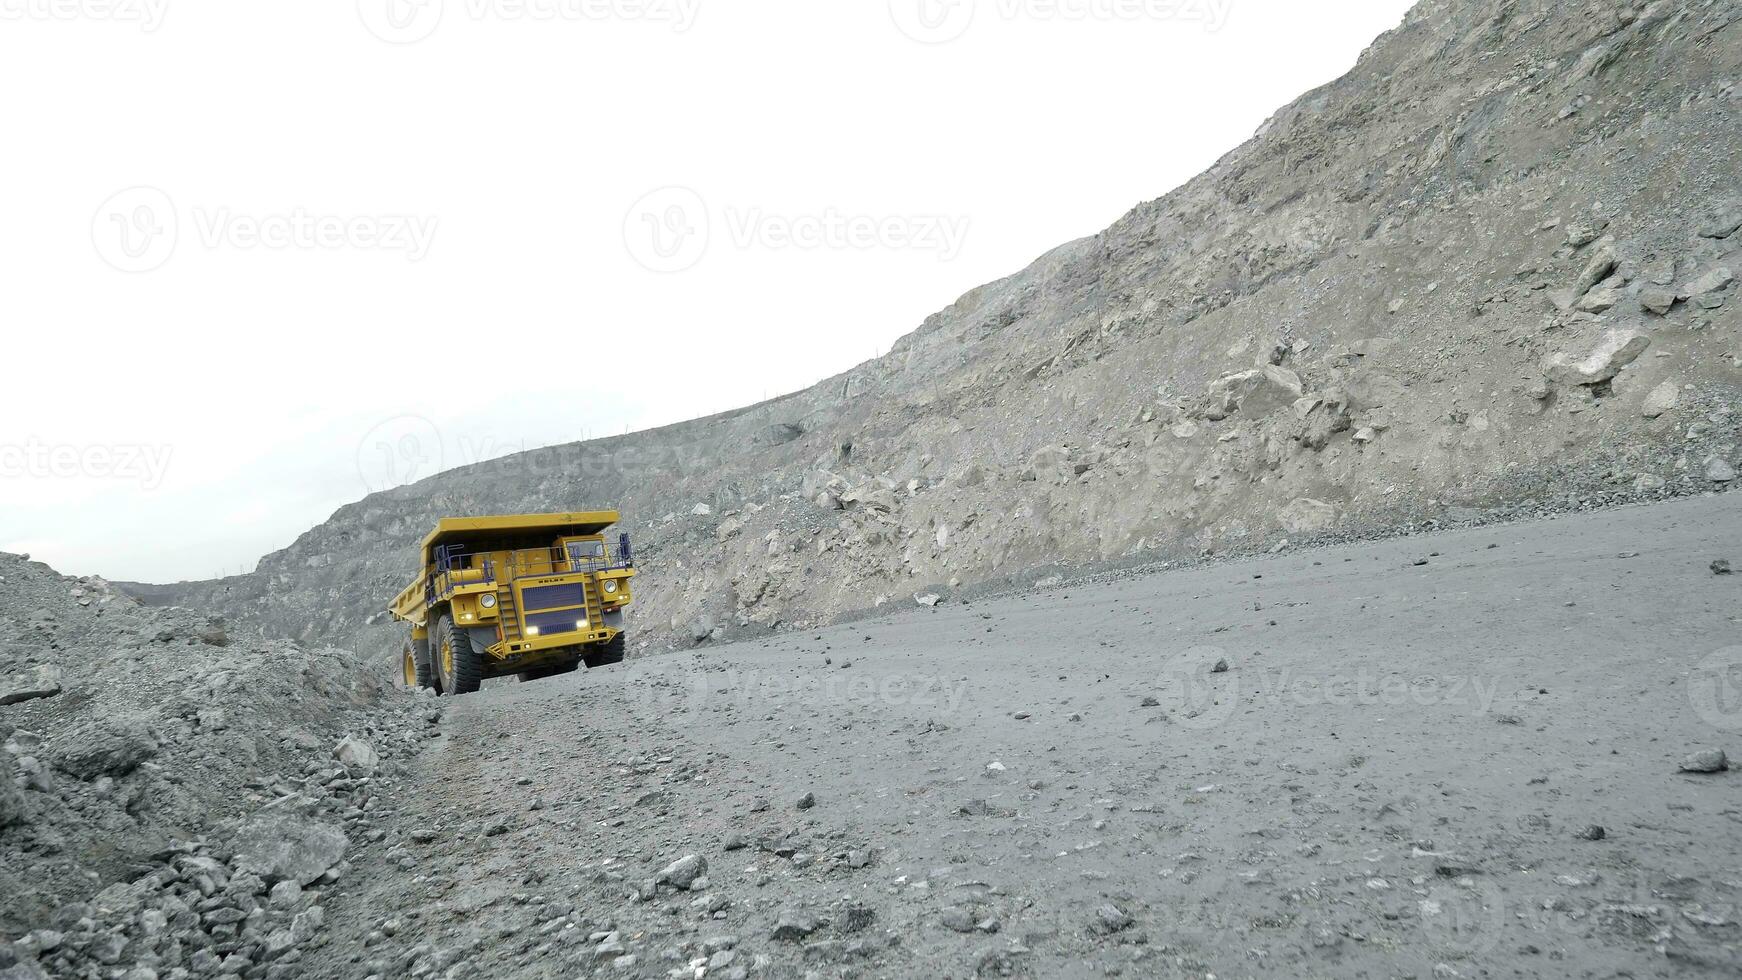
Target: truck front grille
<point>555,596</point>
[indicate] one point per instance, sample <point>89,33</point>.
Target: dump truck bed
<point>457,530</point>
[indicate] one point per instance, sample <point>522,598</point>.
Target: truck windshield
<point>586,552</point>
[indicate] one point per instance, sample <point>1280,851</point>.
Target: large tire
<point>544,673</point>
<point>606,654</point>
<point>458,663</point>
<point>415,665</point>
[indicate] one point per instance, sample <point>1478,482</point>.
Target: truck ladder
<point>507,614</point>
<point>595,604</point>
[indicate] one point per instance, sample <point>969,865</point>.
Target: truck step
<point>507,614</point>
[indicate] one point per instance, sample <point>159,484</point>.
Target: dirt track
<point>1394,777</point>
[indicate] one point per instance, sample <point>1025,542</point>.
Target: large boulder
<point>701,628</point>
<point>973,475</point>
<point>1304,515</point>
<point>1710,282</point>
<point>1662,400</point>
<point>872,497</point>
<point>1614,351</point>
<point>1601,264</point>
<point>1329,415</point>
<point>683,872</point>
<point>1724,221</point>
<point>779,434</point>
<point>1601,299</point>
<point>1055,464</point>
<point>1254,393</point>
<point>40,682</point>
<point>357,755</point>
<point>1599,267</point>
<point>1656,299</point>
<point>111,746</point>
<point>286,847</point>
<point>793,926</point>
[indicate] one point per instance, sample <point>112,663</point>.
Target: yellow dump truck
<point>527,595</point>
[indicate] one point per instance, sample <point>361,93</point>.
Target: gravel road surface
<point>1438,756</point>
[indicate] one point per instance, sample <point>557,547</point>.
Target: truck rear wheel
<point>414,664</point>
<point>458,663</point>
<point>606,654</point>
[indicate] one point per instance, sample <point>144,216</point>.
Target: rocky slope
<point>1491,268</point>
<point>174,800</point>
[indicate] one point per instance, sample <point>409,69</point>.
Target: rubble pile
<point>175,798</point>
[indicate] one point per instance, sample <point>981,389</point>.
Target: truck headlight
<point>532,631</point>
<point>488,601</point>
<point>580,624</point>
<point>610,586</point>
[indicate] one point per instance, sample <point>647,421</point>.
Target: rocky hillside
<point>1491,268</point>
<point>173,798</point>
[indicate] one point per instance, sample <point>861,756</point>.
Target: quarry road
<point>1458,754</point>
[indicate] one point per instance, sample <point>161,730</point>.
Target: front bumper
<point>532,646</point>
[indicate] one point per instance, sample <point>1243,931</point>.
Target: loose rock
<point>357,755</point>
<point>793,926</point>
<point>1109,919</point>
<point>108,746</point>
<point>1706,761</point>
<point>43,681</point>
<point>683,872</point>
<point>1614,351</point>
<point>1663,399</point>
<point>286,847</point>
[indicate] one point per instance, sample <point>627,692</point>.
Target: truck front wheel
<point>457,662</point>
<point>606,654</point>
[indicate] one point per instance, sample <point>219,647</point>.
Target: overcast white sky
<point>262,258</point>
